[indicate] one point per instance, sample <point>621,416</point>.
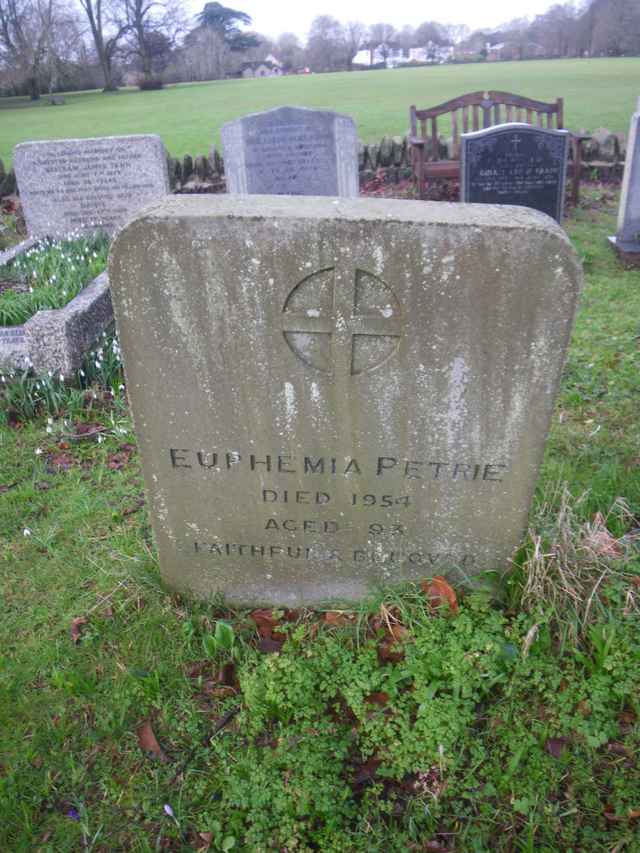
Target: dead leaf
<point>76,625</point>
<point>555,746</point>
<point>265,621</point>
<point>366,772</point>
<point>379,698</point>
<point>227,674</point>
<point>148,742</point>
<point>619,749</point>
<point>268,646</point>
<point>398,632</point>
<point>389,651</point>
<point>131,509</point>
<point>439,592</point>
<point>339,617</point>
<point>206,838</point>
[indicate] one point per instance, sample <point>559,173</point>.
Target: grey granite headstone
<point>627,238</point>
<point>515,164</point>
<point>82,185</point>
<point>334,393</point>
<point>291,151</point>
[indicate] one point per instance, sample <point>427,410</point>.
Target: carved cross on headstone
<point>342,320</point>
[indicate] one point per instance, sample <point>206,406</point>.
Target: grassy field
<point>597,93</point>
<point>130,720</point>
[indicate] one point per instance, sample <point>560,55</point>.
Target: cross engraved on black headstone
<point>342,320</point>
<point>515,141</point>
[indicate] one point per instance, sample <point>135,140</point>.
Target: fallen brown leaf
<point>148,742</point>
<point>439,591</point>
<point>339,617</point>
<point>379,698</point>
<point>366,772</point>
<point>206,838</point>
<point>389,651</point>
<point>265,622</point>
<point>555,746</point>
<point>76,625</point>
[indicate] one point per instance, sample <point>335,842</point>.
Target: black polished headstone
<point>515,164</point>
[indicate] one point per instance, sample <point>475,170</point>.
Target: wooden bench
<point>476,111</point>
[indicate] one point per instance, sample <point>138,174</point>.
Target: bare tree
<point>354,35</point>
<point>289,50</point>
<point>325,46</point>
<point>144,21</point>
<point>107,33</point>
<point>381,36</point>
<point>25,26</point>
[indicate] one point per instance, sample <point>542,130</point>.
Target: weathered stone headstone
<point>82,185</point>
<point>515,164</point>
<point>328,394</point>
<point>627,239</point>
<point>291,151</point>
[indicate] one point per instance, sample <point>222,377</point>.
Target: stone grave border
<point>56,340</point>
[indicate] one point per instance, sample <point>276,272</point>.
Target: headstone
<point>627,238</point>
<point>84,185</point>
<point>515,164</point>
<point>291,151</point>
<point>333,393</point>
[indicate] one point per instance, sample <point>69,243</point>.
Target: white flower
<point>120,387</point>
<point>81,372</point>
<point>38,451</point>
<point>49,430</point>
<point>62,377</point>
<point>100,437</point>
<point>26,532</point>
<point>50,421</point>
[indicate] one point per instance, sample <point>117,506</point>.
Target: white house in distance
<point>392,57</point>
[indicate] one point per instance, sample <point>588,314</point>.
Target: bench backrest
<point>479,110</point>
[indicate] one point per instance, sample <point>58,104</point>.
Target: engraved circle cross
<point>342,320</point>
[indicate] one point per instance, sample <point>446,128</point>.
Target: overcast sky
<point>277,16</point>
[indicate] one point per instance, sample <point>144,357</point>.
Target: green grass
<point>49,276</point>
<point>597,92</point>
<point>513,726</point>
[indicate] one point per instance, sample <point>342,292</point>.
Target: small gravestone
<point>515,164</point>
<point>85,185</point>
<point>291,151</point>
<point>627,239</point>
<point>329,394</point>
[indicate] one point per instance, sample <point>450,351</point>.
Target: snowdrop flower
<point>62,377</point>
<point>81,372</point>
<point>121,388</point>
<point>100,437</point>
<point>38,451</point>
<point>26,532</point>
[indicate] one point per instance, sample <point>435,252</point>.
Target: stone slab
<point>628,231</point>
<point>57,340</point>
<point>628,253</point>
<point>291,151</point>
<point>329,394</point>
<point>83,185</point>
<point>515,163</point>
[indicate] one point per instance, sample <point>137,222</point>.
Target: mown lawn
<point>131,720</point>
<point>597,92</point>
